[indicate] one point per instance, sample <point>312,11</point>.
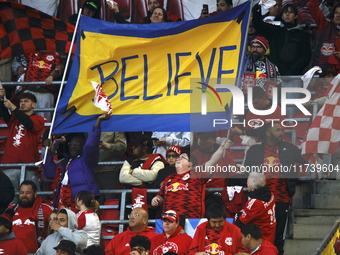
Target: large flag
<point>158,77</point>
<point>24,29</point>
<point>323,135</point>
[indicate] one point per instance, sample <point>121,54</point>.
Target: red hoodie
<point>120,244</point>
<point>178,243</point>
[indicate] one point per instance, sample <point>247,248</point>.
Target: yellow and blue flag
<point>158,77</point>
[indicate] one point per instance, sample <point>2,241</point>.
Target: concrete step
<point>327,201</point>
<point>316,220</point>
<point>327,186</point>
<point>316,216</point>
<point>301,246</point>
<point>308,231</point>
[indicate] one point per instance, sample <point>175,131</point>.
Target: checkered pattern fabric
<point>324,134</point>
<point>24,29</point>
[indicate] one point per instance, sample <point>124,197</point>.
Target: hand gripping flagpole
<point>62,82</point>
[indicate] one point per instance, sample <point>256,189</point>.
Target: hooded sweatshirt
<point>79,237</point>
<point>260,210</point>
<point>10,245</point>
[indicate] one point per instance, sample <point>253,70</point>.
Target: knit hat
<point>175,149</point>
<point>6,218</point>
<point>261,40</point>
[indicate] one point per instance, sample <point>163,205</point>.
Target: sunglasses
<point>172,156</point>
<point>183,157</point>
<point>168,215</point>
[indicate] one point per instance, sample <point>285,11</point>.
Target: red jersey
<point>262,214</point>
<point>183,194</point>
<point>40,64</point>
<point>229,240</point>
<point>22,143</point>
<point>275,180</point>
<point>30,224</point>
<point>178,243</point>
<point>12,246</point>
<point>120,244</point>
<point>265,248</point>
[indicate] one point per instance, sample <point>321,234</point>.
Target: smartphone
<point>205,9</point>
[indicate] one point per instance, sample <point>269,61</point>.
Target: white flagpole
<point>62,81</point>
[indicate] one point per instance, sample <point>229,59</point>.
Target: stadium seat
<point>139,10</point>
<point>175,7</point>
<point>109,214</point>
<point>302,126</point>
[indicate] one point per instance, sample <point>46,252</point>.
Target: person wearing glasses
<point>140,245</point>
<point>138,225</point>
<point>79,166</point>
<point>172,238</point>
<point>182,192</point>
<point>171,155</point>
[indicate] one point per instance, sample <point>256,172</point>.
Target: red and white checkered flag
<point>323,135</point>
<point>100,99</point>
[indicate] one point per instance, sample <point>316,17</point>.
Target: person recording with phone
<point>221,6</point>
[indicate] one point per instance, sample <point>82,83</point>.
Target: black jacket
<point>289,154</point>
<point>6,192</point>
<point>290,47</point>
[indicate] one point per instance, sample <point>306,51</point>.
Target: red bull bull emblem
<point>213,248</point>
<point>229,241</point>
<point>271,161</point>
<point>174,187</point>
<point>327,49</point>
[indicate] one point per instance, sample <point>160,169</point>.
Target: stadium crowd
<point>279,44</point>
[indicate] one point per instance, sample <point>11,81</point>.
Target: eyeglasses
<point>73,144</point>
<point>133,215</point>
<point>172,156</point>
<point>168,215</point>
<point>181,157</point>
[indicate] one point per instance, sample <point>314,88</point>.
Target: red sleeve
<point>317,15</point>
<point>81,221</point>
<point>251,211</point>
<point>195,244</point>
<point>162,188</point>
<point>38,123</point>
<point>110,250</point>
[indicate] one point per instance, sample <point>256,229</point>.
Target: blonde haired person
<point>88,219</point>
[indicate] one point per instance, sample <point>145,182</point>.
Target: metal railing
<point>327,238</point>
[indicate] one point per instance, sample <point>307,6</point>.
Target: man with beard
<point>24,133</point>
<point>277,160</point>
<point>259,71</point>
<point>30,220</point>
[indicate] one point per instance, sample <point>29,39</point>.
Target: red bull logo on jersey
<point>327,49</point>
<point>42,64</point>
<point>214,249</point>
<point>271,161</point>
<point>174,187</point>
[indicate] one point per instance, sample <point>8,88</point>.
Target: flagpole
<point>63,80</point>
